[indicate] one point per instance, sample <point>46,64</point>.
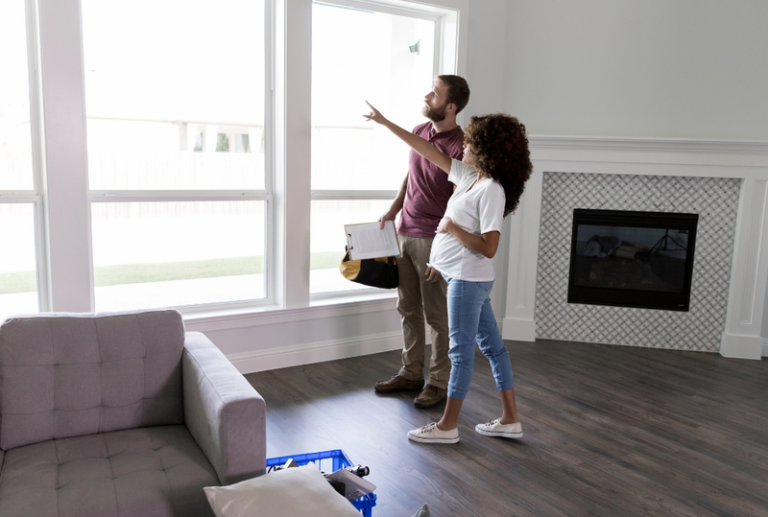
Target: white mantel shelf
<point>745,160</point>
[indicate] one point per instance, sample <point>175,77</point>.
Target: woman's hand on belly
<point>433,275</point>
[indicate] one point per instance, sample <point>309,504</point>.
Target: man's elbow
<point>490,253</point>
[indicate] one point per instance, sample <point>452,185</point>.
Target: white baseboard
<point>738,346</point>
<point>765,348</point>
<point>518,329</point>
<point>308,353</point>
<point>318,352</point>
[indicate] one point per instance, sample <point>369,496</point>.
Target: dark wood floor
<point>608,430</point>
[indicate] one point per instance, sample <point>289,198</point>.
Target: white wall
<point>486,56</point>
<point>650,68</point>
<point>692,69</point>
<point>301,336</point>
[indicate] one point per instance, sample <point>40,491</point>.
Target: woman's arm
<point>486,244</point>
<point>418,144</point>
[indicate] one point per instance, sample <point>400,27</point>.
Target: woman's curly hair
<point>499,146</point>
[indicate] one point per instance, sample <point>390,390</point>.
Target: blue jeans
<point>471,321</point>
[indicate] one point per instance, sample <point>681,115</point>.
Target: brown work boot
<point>430,397</point>
<point>398,383</point>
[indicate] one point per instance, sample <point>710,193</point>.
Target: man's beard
<point>433,115</point>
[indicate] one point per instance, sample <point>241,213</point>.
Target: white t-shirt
<point>478,211</point>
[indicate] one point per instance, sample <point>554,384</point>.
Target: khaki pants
<point>418,298</point>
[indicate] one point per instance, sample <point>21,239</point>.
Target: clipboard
<point>368,240</point>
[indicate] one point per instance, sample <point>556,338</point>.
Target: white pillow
<point>297,491</point>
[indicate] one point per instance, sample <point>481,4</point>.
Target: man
<point>422,199</point>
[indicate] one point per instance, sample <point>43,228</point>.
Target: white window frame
<point>266,194</point>
<point>35,197</point>
<point>445,62</point>
<point>62,197</point>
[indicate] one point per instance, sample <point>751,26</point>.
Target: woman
<point>489,182</point>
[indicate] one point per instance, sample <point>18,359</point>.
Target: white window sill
<point>319,308</point>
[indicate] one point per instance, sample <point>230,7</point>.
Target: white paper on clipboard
<point>368,240</point>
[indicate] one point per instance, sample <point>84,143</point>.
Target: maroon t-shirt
<point>428,187</point>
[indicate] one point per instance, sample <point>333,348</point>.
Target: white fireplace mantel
<point>747,161</point>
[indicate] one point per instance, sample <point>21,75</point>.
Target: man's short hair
<point>458,90</point>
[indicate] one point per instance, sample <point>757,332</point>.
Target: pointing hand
<point>374,115</point>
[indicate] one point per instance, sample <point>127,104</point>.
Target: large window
<point>175,101</point>
<point>20,206</point>
<point>387,57</point>
<point>201,155</point>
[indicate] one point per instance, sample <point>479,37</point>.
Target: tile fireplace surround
<point>737,171</point>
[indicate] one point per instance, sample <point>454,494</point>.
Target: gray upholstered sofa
<point>120,415</point>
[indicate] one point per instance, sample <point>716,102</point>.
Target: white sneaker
<point>494,428</point>
<point>431,434</point>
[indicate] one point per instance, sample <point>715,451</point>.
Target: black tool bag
<point>378,272</point>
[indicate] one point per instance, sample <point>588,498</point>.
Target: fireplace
<point>725,183</point>
<point>632,259</point>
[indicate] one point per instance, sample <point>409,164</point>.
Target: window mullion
<point>19,197</point>
<point>271,214</point>
<point>318,195</point>
<point>65,184</point>
<point>409,9</point>
<point>42,270</point>
<point>293,94</point>
<point>118,196</point>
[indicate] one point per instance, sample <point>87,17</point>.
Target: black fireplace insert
<point>632,259</point>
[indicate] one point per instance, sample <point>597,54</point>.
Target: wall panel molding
<point>321,351</point>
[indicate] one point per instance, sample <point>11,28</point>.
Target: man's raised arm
<point>418,144</point>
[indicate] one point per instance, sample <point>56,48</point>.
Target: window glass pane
<point>18,281</point>
<point>165,254</point>
<point>328,240</point>
<point>359,55</point>
<point>15,133</point>
<point>175,94</point>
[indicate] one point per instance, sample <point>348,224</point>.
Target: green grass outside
<point>144,273</point>
<point>325,260</point>
<point>18,282</point>
<point>25,281</point>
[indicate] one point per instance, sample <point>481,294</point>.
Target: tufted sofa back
<point>64,375</point>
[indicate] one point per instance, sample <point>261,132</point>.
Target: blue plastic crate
<point>329,461</point>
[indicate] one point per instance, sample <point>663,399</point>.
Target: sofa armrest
<point>225,415</point>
